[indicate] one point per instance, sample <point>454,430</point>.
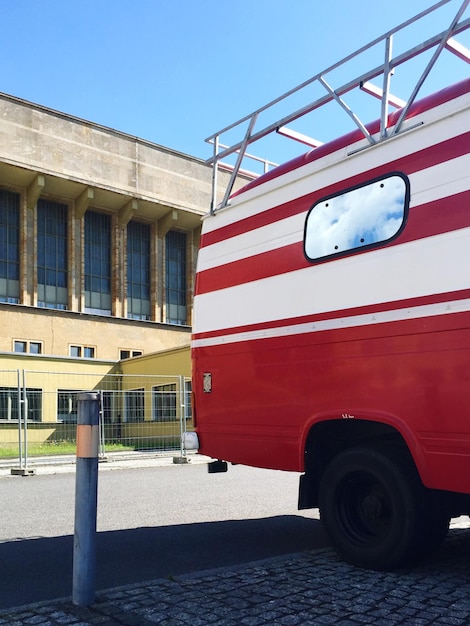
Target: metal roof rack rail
<point>445,40</point>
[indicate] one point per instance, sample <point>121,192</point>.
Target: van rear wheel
<point>369,506</point>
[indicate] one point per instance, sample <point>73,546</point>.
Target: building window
<point>9,247</point>
<point>10,401</point>
<point>33,347</point>
<point>67,403</point>
<point>188,411</point>
<point>52,254</point>
<point>97,263</point>
<point>134,405</point>
<point>127,354</point>
<point>138,271</point>
<point>108,409</point>
<point>175,245</point>
<point>358,218</point>
<point>164,403</point>
<point>88,352</point>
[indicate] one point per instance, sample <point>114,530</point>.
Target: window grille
<point>138,271</point>
<point>52,254</point>
<point>134,405</point>
<point>164,403</point>
<point>9,247</point>
<point>67,406</point>
<point>9,403</point>
<point>176,294</point>
<point>97,263</point>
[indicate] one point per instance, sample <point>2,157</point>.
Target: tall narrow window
<point>9,247</point>
<point>52,254</point>
<point>138,271</point>
<point>109,410</point>
<point>97,263</point>
<point>134,405</point>
<point>175,243</point>
<point>34,404</point>
<point>188,409</point>
<point>164,403</point>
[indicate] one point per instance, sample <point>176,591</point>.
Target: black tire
<point>370,506</point>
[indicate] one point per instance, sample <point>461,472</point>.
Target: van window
<point>359,217</point>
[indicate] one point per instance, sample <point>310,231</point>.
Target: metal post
<point>102,449</point>
<point>215,168</point>
<point>20,412</point>
<point>182,416</point>
<point>182,458</point>
<point>86,496</point>
<point>25,424</point>
<point>23,469</point>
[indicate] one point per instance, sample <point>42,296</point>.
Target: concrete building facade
<point>99,233</point>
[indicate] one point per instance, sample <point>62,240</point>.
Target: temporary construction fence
<point>38,412</point>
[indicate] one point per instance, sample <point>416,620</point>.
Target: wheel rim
<point>364,508</point>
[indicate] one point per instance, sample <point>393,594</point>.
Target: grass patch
<point>8,451</point>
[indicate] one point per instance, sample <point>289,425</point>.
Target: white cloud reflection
<point>357,218</point>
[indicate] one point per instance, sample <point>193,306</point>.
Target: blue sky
<point>175,71</point>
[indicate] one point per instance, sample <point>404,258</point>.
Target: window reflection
<point>360,217</point>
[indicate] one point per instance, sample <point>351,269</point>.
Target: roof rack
<point>442,41</point>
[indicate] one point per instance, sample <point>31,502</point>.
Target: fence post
<point>20,424</point>
<point>25,423</point>
<point>182,458</point>
<point>86,494</point>
<point>102,449</point>
<point>22,470</point>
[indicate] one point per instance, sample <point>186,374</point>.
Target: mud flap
<point>216,467</point>
<point>308,492</point>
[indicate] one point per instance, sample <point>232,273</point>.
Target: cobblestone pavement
<point>309,588</point>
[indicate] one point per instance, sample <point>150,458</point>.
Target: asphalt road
<point>153,522</point>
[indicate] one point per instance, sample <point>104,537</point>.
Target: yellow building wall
<point>108,336</point>
<point>149,371</point>
<point>50,375</point>
<point>174,361</point>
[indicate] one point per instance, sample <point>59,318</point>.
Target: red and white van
<point>331,327</point>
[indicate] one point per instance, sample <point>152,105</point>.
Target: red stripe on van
<point>408,164</point>
<point>423,221</point>
<point>343,313</point>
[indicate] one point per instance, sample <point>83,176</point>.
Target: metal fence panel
<point>138,412</point>
<point>10,407</point>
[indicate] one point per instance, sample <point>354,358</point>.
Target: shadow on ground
<point>40,569</point>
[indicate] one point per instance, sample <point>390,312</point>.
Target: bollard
<point>86,494</point>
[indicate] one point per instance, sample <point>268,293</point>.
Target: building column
<point>81,205</point>
<point>193,247</point>
<point>155,282</point>
<point>27,253</point>
<point>29,289</point>
<point>118,253</point>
